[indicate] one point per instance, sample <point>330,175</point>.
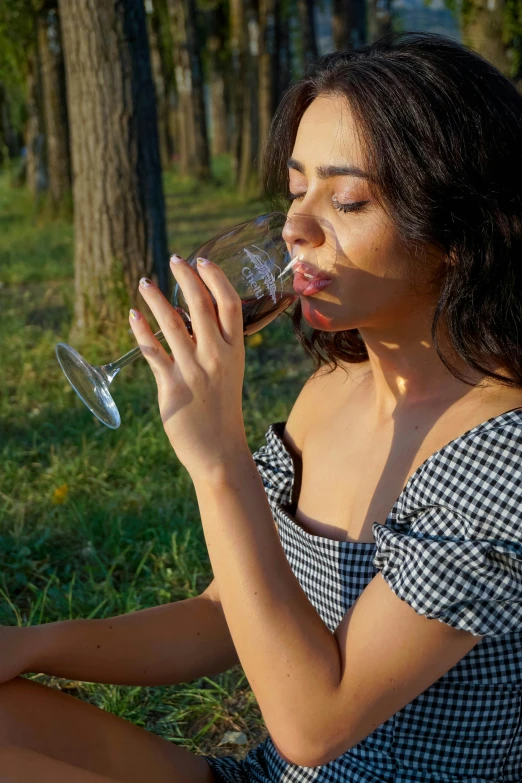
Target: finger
<point>153,351</point>
<point>170,322</point>
<point>229,307</point>
<point>201,307</point>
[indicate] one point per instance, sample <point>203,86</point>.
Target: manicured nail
<point>176,259</point>
<point>135,315</point>
<point>203,261</point>
<point>146,283</point>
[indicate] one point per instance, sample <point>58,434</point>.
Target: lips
<point>305,283</point>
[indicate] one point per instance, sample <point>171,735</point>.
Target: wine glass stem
<point>113,368</point>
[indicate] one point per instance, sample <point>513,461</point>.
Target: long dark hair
<point>443,129</point>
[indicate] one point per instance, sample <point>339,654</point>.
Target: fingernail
<point>134,314</point>
<point>203,261</point>
<point>176,259</point>
<point>146,283</point>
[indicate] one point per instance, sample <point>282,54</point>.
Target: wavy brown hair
<point>443,131</point>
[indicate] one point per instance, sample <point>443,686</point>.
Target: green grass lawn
<point>96,522</point>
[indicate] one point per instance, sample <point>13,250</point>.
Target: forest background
<point>130,130</point>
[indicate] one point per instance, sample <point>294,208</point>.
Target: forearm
<point>177,642</point>
<point>290,657</point>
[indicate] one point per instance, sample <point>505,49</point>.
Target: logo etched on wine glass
<point>264,272</point>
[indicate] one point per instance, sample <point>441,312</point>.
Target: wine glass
<point>259,258</point>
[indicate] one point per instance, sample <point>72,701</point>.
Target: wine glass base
<point>90,384</point>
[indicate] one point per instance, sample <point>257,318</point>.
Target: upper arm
<point>389,655</point>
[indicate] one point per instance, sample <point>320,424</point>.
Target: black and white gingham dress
<point>451,548</point>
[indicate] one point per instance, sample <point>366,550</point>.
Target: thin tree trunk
<point>202,163</point>
<point>184,117</point>
<point>266,73</point>
<point>282,59</point>
<point>379,19</point>
<point>308,31</point>
<point>237,49</point>
<point>158,73</point>
<point>54,110</point>
<point>9,145</point>
<point>118,199</point>
<point>189,80</point>
<point>348,24</point>
<point>483,31</point>
<point>216,80</point>
<point>36,176</point>
<point>244,44</point>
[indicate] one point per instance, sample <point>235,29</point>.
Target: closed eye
<point>353,206</point>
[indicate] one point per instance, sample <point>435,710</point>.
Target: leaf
<point>233,738</point>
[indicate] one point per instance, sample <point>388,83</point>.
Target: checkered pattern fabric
<point>451,548</point>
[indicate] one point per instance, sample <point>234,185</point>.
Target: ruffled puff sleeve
<point>471,581</point>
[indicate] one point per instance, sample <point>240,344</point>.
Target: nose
<point>302,230</point>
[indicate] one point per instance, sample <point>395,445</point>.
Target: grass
<point>96,522</point>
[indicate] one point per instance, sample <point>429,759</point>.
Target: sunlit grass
<point>96,522</point>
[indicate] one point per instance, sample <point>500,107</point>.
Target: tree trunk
<point>189,79</point>
<point>237,50</point>
<point>482,30</point>
<point>379,19</point>
<point>158,74</point>
<point>308,33</point>
<point>54,110</point>
<point>244,44</point>
<point>348,24</point>
<point>9,145</point>
<point>118,199</point>
<point>282,59</point>
<point>266,73</point>
<point>216,80</point>
<point>36,175</point>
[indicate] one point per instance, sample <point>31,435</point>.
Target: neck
<point>406,370</point>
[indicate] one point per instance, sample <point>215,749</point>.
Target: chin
<point>314,316</point>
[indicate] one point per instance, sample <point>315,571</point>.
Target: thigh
<point>60,726</point>
<point>20,765</point>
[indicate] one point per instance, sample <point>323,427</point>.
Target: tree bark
<point>194,153</point>
<point>216,80</point>
<point>308,32</point>
<point>379,19</point>
<point>118,199</point>
<point>9,143</point>
<point>244,44</point>
<point>482,30</point>
<point>36,175</point>
<point>237,47</point>
<point>158,73</point>
<point>348,24</point>
<point>54,110</point>
<point>282,59</point>
<point>266,73</point>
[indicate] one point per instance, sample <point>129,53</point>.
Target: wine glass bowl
<point>257,256</point>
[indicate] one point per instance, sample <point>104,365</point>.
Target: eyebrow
<point>325,172</point>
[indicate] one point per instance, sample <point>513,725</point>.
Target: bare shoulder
<point>321,388</point>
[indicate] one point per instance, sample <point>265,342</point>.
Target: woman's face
<point>371,281</point>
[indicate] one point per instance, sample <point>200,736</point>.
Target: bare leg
<point>61,727</point>
<point>19,765</point>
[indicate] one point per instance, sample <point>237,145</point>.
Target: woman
<point>378,622</point>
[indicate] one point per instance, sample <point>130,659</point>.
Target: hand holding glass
<point>258,258</point>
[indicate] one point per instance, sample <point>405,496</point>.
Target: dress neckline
<point>414,475</point>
